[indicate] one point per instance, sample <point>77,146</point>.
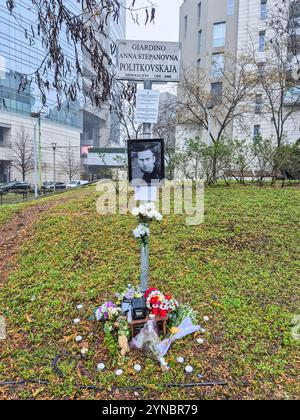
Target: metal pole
<point>36,193</point>
<point>54,165</point>
<point>147,134</point>
<point>40,153</point>
<point>147,129</point>
<point>54,169</point>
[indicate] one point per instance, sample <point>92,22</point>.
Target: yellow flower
<point>174,330</point>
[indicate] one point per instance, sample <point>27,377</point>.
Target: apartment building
<point>213,30</point>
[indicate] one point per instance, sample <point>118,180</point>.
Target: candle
<point>163,311</point>
<point>155,309</point>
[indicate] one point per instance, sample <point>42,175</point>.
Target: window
<point>257,132</point>
<point>262,41</point>
<point>258,104</point>
<point>199,13</point>
<point>199,42</point>
<point>216,93</point>
<point>230,7</point>
<point>263,9</point>
<point>185,26</point>
<point>217,66</point>
<point>219,34</point>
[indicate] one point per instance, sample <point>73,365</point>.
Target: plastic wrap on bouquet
<point>148,340</point>
<point>185,328</point>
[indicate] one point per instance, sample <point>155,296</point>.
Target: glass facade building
<point>18,58</point>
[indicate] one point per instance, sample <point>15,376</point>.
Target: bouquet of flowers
<point>171,303</point>
<point>154,297</point>
<point>146,214</point>
<point>159,303</point>
<point>115,327</point>
<point>107,312</point>
<point>129,293</point>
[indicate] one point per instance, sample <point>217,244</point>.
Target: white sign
<point>148,60</point>
<point>147,105</point>
<point>146,193</point>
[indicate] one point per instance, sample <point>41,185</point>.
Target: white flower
<point>202,330</point>
<point>79,307</point>
<point>158,216</point>
<point>143,210</point>
<point>180,359</point>
<point>206,319</point>
<point>151,214</point>
<point>150,206</point>
<point>200,341</point>
<point>141,231</point>
<point>76,321</point>
<point>84,351</point>
<point>135,212</point>
<point>78,339</point>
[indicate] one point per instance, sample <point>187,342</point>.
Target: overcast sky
<point>166,27</point>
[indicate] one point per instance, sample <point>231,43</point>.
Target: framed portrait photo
<point>146,162</point>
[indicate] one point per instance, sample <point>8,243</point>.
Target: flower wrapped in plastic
<point>148,341</point>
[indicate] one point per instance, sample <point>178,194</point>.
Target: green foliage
<point>240,268</point>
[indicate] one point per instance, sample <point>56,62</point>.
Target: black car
<point>16,186</point>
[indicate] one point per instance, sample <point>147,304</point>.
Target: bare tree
<point>70,164</point>
<point>212,102</point>
<point>123,104</point>
<point>166,129</point>
<point>278,77</point>
<point>22,151</point>
<point>83,25</point>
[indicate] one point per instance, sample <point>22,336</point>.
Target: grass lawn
<point>241,268</point>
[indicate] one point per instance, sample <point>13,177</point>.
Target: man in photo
<point>147,162</point>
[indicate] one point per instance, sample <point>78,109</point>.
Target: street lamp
<point>54,145</point>
<point>38,116</point>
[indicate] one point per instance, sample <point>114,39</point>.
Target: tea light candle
<point>137,368</point>
<point>189,369</point>
<point>119,372</point>
<point>101,366</point>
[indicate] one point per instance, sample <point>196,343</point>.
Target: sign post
<point>148,62</point>
<point>147,134</point>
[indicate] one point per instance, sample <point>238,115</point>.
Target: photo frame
<point>146,162</point>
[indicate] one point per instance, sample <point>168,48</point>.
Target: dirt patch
<point>14,233</point>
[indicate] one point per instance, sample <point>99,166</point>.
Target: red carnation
<point>154,300</point>
<point>152,289</point>
<point>168,297</point>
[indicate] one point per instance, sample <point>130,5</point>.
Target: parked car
<point>75,184</point>
<point>16,186</point>
<point>49,186</point>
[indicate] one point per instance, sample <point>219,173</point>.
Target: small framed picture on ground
<point>146,162</point>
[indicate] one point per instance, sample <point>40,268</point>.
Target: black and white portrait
<point>146,161</point>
